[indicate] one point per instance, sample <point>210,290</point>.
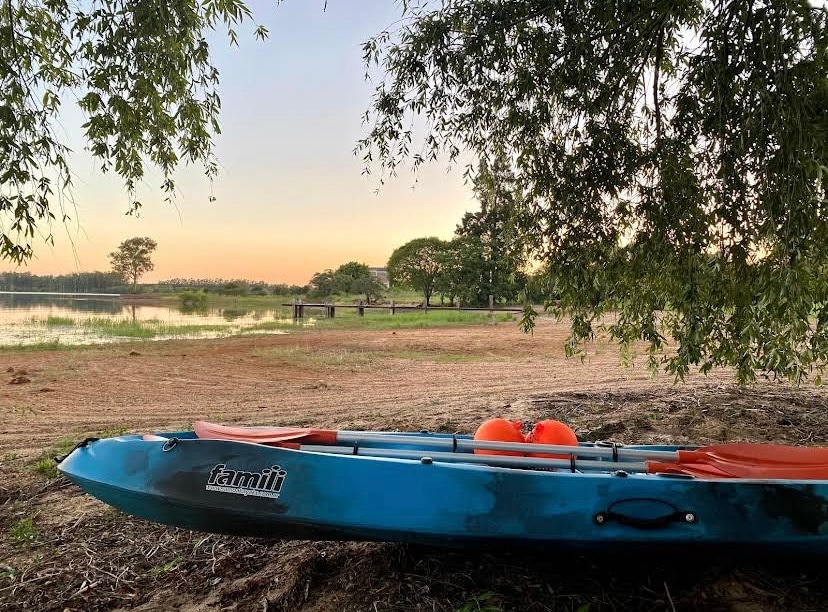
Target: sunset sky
<point>290,199</point>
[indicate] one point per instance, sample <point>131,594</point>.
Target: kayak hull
<point>239,488</point>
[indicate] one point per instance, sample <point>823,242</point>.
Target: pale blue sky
<point>291,199</point>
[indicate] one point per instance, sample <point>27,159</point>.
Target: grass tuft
<point>24,531</point>
<point>59,321</point>
<point>325,358</point>
<point>144,330</point>
<point>47,345</point>
<point>166,568</point>
<point>484,602</point>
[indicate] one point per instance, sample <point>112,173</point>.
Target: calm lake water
<point>90,319</point>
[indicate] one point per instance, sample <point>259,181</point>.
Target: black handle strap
<point>81,444</point>
<point>672,514</point>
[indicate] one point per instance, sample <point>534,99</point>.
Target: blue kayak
<point>411,494</point>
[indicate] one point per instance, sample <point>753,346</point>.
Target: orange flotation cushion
<point>552,432</point>
<point>499,430</point>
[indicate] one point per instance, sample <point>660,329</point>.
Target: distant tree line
<point>235,287</point>
<point>81,282</point>
<point>112,282</point>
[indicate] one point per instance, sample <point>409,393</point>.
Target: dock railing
<point>329,308</point>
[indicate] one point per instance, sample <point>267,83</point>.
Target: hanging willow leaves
<point>141,72</point>
<point>672,156</point>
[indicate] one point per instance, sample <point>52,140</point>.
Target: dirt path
<point>84,556</point>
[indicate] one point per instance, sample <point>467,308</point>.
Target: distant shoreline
<point>62,294</point>
<point>126,298</point>
<point>139,298</point>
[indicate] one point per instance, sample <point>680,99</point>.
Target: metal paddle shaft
<point>276,435</point>
<point>465,444</point>
<point>499,460</point>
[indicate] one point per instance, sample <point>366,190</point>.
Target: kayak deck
<point>244,488</point>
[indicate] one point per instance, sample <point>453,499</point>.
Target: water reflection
<point>29,319</point>
<point>78,304</point>
<point>189,309</point>
<point>231,314</point>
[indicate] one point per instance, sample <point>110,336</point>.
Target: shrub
<point>193,299</point>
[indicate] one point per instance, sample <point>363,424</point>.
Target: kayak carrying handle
<point>81,444</point>
<point>644,513</point>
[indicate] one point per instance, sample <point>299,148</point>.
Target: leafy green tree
<point>461,264</point>
<point>353,270</point>
<point>369,286</point>
<point>323,284</point>
<point>493,232</point>
<point>540,286</point>
<point>417,264</point>
<point>133,258</point>
<point>690,134</point>
<point>346,274</point>
<point>349,278</point>
<point>141,73</point>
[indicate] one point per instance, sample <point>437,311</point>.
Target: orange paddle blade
<point>712,468</point>
<point>263,435</point>
<point>746,460</point>
<point>698,470</point>
<point>758,454</point>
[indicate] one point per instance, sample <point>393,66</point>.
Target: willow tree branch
<point>656,100</point>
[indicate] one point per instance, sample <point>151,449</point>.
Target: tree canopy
<point>141,73</point>
<point>356,277</point>
<point>673,158</point>
<point>369,286</point>
<point>417,264</point>
<point>487,256</point>
<point>351,277</point>
<point>493,231</point>
<point>133,258</point>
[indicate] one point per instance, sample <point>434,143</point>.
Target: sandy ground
<point>86,556</point>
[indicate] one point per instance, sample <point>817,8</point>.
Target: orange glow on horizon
<point>199,240</point>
